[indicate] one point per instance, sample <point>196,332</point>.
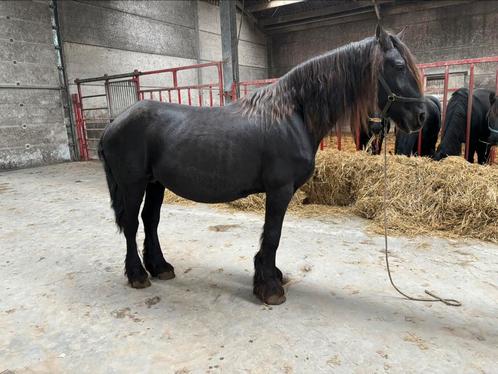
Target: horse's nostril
<point>421,117</point>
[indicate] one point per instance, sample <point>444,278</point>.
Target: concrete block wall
<point>113,37</point>
<point>436,31</point>
<point>32,124</point>
<point>252,43</point>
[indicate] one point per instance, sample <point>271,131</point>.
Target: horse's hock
<point>82,313</point>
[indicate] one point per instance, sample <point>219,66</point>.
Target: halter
<point>391,98</point>
<point>494,131</point>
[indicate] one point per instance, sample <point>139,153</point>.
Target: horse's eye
<point>399,66</point>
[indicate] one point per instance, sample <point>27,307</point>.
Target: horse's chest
<point>305,171</point>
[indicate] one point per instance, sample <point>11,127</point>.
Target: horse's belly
<point>210,180</point>
<point>208,188</point>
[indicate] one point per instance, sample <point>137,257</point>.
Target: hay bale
<point>251,203</point>
<point>171,198</point>
<point>452,196</point>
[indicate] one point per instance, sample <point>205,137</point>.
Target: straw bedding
<point>451,197</point>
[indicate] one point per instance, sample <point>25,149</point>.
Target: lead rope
<point>434,298</point>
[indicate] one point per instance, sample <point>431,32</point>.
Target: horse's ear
<point>492,98</point>
<point>401,34</point>
<point>378,31</point>
<point>383,38</point>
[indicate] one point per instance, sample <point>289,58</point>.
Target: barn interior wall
<point>436,31</point>
<point>112,37</point>
<point>32,123</point>
<point>252,42</point>
<point>99,37</point>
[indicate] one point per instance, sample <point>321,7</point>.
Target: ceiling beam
<point>390,11</point>
<point>336,10</point>
<point>272,4</point>
<point>247,14</point>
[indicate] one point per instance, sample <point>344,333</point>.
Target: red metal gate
<point>99,100</point>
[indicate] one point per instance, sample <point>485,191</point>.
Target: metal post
<point>229,43</point>
<point>492,156</point>
<point>234,92</point>
<point>445,96</point>
<point>63,81</point>
<point>84,154</point>
<point>419,144</point>
<point>109,100</point>
<point>469,111</point>
<point>197,47</point>
<point>175,85</point>
<point>219,68</point>
<point>136,80</point>
<point>79,137</point>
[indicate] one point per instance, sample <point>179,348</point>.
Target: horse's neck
<point>317,100</point>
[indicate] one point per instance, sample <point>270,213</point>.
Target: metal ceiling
<point>275,16</point>
<point>282,14</point>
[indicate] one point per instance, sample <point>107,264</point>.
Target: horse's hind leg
<point>267,277</point>
<point>133,196</point>
<point>153,257</point>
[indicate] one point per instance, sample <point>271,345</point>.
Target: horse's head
<point>399,90</point>
<point>492,118</point>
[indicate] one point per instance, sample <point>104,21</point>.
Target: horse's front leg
<point>267,277</point>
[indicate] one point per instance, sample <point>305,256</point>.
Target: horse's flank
<point>334,88</point>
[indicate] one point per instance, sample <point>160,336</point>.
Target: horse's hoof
<point>141,284</point>
<point>271,293</point>
<point>166,275</point>
<point>275,299</point>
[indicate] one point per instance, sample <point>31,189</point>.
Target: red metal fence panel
<point>95,110</point>
<point>101,99</point>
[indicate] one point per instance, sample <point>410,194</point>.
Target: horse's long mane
<point>334,88</point>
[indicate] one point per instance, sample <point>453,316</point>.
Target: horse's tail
<point>117,202</point>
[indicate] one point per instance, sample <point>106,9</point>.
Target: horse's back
<point>203,154</point>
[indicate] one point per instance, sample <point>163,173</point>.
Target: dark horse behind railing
<point>265,142</point>
<point>407,144</point>
<point>369,140</point>
<point>482,136</point>
<point>492,119</point>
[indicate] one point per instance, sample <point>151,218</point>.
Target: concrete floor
<point>65,305</point>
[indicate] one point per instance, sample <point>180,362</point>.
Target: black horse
<point>265,142</point>
<point>371,139</point>
<point>492,118</point>
<point>407,144</point>
<point>455,124</point>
